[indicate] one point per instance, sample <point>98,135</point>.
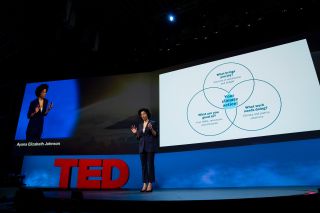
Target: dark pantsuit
<point>147,163</point>
<point>35,125</point>
<point>147,147</point>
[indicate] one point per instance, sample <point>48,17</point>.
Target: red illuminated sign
<point>84,172</point>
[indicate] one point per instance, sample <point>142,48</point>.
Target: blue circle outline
<point>203,88</point>
<point>214,106</point>
<point>272,121</point>
<point>254,83</point>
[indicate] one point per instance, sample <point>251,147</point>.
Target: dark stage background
<point>107,45</point>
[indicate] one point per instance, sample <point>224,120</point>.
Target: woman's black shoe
<point>143,190</point>
<point>149,190</point>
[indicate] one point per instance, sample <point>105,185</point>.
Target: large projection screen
<point>269,92</point>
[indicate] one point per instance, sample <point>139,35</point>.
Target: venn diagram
<point>232,97</point>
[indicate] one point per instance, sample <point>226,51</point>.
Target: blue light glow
<point>171,18</point>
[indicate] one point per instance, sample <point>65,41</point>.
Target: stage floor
<point>258,198</point>
<point>184,194</point>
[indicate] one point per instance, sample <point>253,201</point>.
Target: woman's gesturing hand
<point>134,129</point>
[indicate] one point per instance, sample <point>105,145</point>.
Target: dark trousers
<point>147,163</point>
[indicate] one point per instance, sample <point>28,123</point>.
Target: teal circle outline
<point>203,88</point>
<point>216,107</point>
<point>272,121</point>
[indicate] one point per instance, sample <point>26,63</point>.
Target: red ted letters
<point>84,172</point>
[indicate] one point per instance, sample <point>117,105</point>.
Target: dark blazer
<point>148,142</point>
<point>35,125</point>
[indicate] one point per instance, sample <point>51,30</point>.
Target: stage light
<point>171,18</point>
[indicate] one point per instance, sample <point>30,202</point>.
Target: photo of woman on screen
<point>38,109</point>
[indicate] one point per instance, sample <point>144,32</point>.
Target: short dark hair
<point>40,88</point>
<point>144,110</point>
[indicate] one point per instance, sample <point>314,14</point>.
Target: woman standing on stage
<point>147,134</point>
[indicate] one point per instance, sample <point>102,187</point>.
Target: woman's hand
<point>134,129</point>
<point>50,106</point>
<point>36,110</point>
<point>154,133</point>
